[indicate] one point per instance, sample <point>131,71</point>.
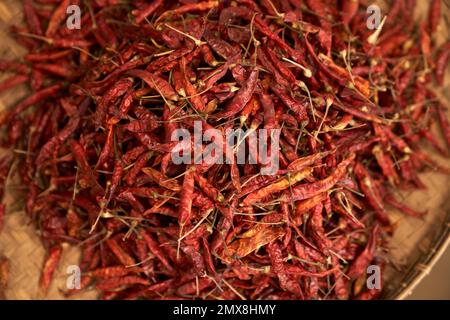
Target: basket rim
<point>415,275</point>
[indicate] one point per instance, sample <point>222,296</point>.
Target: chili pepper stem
<point>196,41</point>
<point>373,38</point>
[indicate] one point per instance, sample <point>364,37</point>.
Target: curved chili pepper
<point>442,62</point>
<point>186,198</point>
<point>349,9</point>
<point>434,15</point>
<point>242,97</point>
<point>287,282</point>
<point>305,191</point>
<point>50,265</point>
<point>277,186</point>
<point>113,283</point>
<point>361,263</point>
<point>156,83</point>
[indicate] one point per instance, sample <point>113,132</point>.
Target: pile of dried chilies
<point>91,142</point>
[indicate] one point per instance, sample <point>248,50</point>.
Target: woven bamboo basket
<point>416,246</point>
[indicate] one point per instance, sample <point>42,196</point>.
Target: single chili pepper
<point>47,56</point>
<point>360,114</point>
<point>267,64</point>
<point>341,287</point>
<point>303,162</point>
<point>298,271</point>
<point>208,55</point>
<point>4,274</point>
<point>207,188</point>
<point>190,7</point>
<point>194,97</point>
<point>58,70</point>
<point>445,126</point>
<point>442,60</point>
<point>161,180</point>
<point>50,265</point>
<point>360,264</point>
<point>154,247</point>
<point>280,67</point>
<point>13,66</point>
<point>53,144</point>
<point>304,206</point>
<point>434,142</point>
<point>368,187</point>
<point>119,253</point>
<point>277,186</point>
<point>2,216</point>
<point>87,175</point>
<point>317,230</point>
<point>403,208</point>
<point>36,79</point>
<point>156,83</point>
<point>133,154</point>
<point>34,99</point>
<point>12,81</point>
<point>340,73</point>
<point>168,63</point>
<point>106,153</point>
<point>305,191</point>
<point>186,198</point>
<point>57,18</point>
<point>31,17</point>
<point>434,15</point>
<point>287,282</point>
<point>349,9</point>
<point>140,163</point>
<point>208,257</point>
<point>112,272</point>
<point>235,176</point>
<point>113,283</point>
<point>68,43</point>
<point>269,111</point>
<point>190,288</point>
<point>197,259</point>
<point>147,11</point>
<point>116,91</point>
<point>297,107</point>
<point>251,107</point>
<point>386,164</point>
<point>212,78</point>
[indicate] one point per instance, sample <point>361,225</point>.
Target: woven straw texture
<point>415,247</point>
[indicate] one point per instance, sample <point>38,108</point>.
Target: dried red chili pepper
<point>360,264</point>
<point>120,254</point>
<point>349,9</point>
<point>442,60</point>
<point>12,82</point>
<point>287,282</point>
<point>305,191</point>
<point>434,15</point>
<point>95,152</point>
<point>34,99</point>
<point>114,283</point>
<point>153,246</point>
<point>50,265</point>
<point>186,198</point>
<point>242,97</point>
